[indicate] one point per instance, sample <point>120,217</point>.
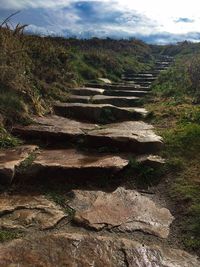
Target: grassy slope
<point>177,119</point>
<point>35,71</point>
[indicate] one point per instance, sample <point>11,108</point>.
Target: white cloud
<point>136,17</point>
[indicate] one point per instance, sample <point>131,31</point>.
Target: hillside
<point>37,70</point>
<point>96,173</point>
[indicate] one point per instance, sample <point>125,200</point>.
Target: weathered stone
<point>134,136</point>
<point>125,210</point>
<point>73,163</point>
<point>112,86</point>
<point>25,211</point>
<point>79,99</point>
<point>151,160</point>
<point>105,80</point>
<point>86,91</point>
<point>116,100</point>
<point>54,128</point>
<point>139,79</point>
<point>138,93</point>
<point>98,113</point>
<point>12,158</point>
<point>75,250</point>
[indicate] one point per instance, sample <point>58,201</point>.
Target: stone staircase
<point>94,136</point>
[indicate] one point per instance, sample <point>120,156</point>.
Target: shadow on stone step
<point>134,176</point>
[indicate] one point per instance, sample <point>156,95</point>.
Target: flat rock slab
<point>70,163</point>
<point>138,93</point>
<point>10,159</point>
<point>99,113</point>
<point>134,136</point>
<point>86,91</point>
<point>51,127</point>
<point>79,99</point>
<point>25,211</point>
<point>75,250</point>
<point>124,210</point>
<point>120,101</point>
<point>151,160</point>
<point>105,80</point>
<point>112,86</point>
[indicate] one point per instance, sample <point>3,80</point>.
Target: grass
<point>60,199</point>
<point>7,140</point>
<point>143,176</point>
<point>178,123</point>
<point>36,71</point>
<point>7,235</point>
<point>24,166</point>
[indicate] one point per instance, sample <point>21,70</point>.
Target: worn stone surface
<point>112,86</point>
<point>54,127</point>
<point>25,211</point>
<point>121,101</point>
<point>12,158</point>
<point>70,163</point>
<point>76,250</point>
<point>134,136</point>
<point>86,91</point>
<point>138,93</point>
<point>98,113</point>
<point>105,80</point>
<point>79,99</point>
<point>151,160</point>
<point>125,210</point>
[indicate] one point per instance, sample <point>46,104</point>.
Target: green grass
<point>60,199</point>
<point>143,176</point>
<point>180,127</point>
<point>7,235</point>
<point>24,166</point>
<point>7,140</point>
<point>36,71</point>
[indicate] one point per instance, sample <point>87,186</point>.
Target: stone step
<point>79,99</point>
<point>103,99</point>
<point>11,159</point>
<point>112,86</point>
<point>122,210</point>
<point>140,75</point>
<point>120,101</point>
<point>71,163</point>
<point>140,78</point>
<point>86,91</point>
<point>132,136</point>
<point>140,82</point>
<point>138,93</point>
<point>56,249</point>
<point>28,212</point>
<point>98,113</point>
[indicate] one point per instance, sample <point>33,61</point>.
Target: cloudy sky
<point>154,21</point>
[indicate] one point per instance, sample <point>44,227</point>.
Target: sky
<point>153,21</point>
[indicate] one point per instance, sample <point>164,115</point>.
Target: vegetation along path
<point>79,196</point>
